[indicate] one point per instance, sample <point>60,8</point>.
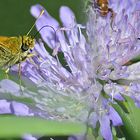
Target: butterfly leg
<point>20,81</point>
<point>6,72</point>
<point>29,56</point>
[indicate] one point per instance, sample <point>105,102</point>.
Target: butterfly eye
<point>24,48</point>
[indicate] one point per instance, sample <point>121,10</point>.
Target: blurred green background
<point>15,17</point>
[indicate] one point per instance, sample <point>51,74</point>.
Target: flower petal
<point>8,86</point>
<point>105,128</point>
<point>47,33</point>
<point>5,107</point>
<point>114,117</point>
<point>20,109</point>
<point>67,17</point>
<point>29,137</point>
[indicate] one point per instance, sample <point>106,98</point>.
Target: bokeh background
<point>15,17</point>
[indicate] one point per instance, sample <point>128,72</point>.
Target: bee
<point>103,6</point>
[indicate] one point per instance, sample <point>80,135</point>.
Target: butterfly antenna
<point>45,26</point>
<point>41,13</point>
<point>55,38</point>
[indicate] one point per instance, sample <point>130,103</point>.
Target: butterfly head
<point>27,43</point>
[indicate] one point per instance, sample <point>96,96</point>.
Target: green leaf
<point>12,126</point>
<point>131,127</point>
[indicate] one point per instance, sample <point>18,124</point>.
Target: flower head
<point>99,69</point>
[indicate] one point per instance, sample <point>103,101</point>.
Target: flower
<point>99,66</point>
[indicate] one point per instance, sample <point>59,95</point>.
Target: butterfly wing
<point>11,44</point>
<point>9,50</point>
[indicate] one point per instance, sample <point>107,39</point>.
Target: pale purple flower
<point>97,65</point>
<point>19,109</point>
<point>28,137</point>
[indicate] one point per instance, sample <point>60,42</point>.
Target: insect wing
<point>9,48</point>
<point>11,44</point>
